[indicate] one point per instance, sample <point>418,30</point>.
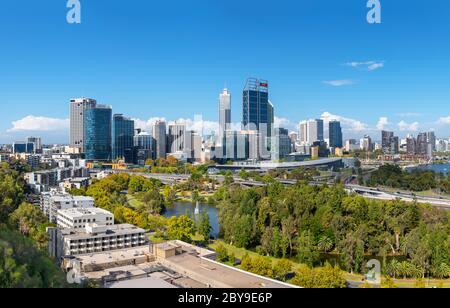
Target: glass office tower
<point>122,138</point>
<point>335,131</point>
<point>97,133</point>
<point>258,113</point>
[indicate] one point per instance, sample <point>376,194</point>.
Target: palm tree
<point>325,244</point>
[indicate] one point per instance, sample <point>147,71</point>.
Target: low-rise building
<point>94,238</point>
<point>52,202</point>
<point>79,218</point>
<point>74,183</point>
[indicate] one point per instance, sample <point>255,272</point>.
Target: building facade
<point>97,133</point>
<point>160,139</point>
<point>335,134</point>
<point>224,115</point>
<point>122,138</point>
<point>77,112</point>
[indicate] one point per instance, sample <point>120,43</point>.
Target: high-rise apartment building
<point>122,138</point>
<point>335,134</point>
<point>160,137</point>
<point>97,133</point>
<point>224,115</point>
<point>78,107</point>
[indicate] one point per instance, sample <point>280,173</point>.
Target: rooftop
<point>80,212</point>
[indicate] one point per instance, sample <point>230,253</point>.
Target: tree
<point>326,277</point>
<point>222,253</point>
<point>281,269</point>
<point>180,228</point>
<point>306,249</point>
<point>388,283</point>
<point>204,225</point>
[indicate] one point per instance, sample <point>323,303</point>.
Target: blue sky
<point>172,58</point>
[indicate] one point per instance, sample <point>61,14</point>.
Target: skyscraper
<point>335,134</point>
<point>258,112</point>
<point>97,132</point>
<point>176,137</point>
<point>422,144</point>
<point>303,132</point>
<point>224,114</point>
<point>160,137</point>
<point>431,137</point>
<point>386,141</point>
<point>315,131</point>
<point>78,107</point>
<point>122,138</point>
<point>281,145</point>
<point>143,145</point>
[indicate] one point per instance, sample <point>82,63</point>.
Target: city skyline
<point>352,66</point>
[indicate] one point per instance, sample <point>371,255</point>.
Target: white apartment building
<point>79,218</point>
<point>52,202</point>
<point>94,239</point>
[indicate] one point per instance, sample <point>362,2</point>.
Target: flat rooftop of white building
<point>81,212</point>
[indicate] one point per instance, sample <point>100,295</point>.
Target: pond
<point>187,208</point>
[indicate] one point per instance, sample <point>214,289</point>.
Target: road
<point>367,192</point>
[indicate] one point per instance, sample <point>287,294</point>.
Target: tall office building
<point>160,138</point>
<point>366,144</point>
<point>176,137</point>
<point>258,112</point>
<point>37,144</point>
<point>281,144</point>
<point>411,145</point>
<point>78,107</point>
<point>143,145</point>
<point>97,133</point>
<point>422,144</point>
<point>335,134</point>
<point>303,132</point>
<point>122,138</point>
<point>224,114</point>
<point>431,137</point>
<point>315,131</point>
<point>386,141</point>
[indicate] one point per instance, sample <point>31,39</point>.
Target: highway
<point>367,192</point>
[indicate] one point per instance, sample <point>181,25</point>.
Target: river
<point>187,208</point>
<point>439,168</point>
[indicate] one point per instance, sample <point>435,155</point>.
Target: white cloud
<point>410,114</point>
<point>347,123</point>
<point>408,127</point>
<point>39,124</point>
<point>339,83</point>
<point>444,120</point>
<point>382,123</point>
<point>367,65</point>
